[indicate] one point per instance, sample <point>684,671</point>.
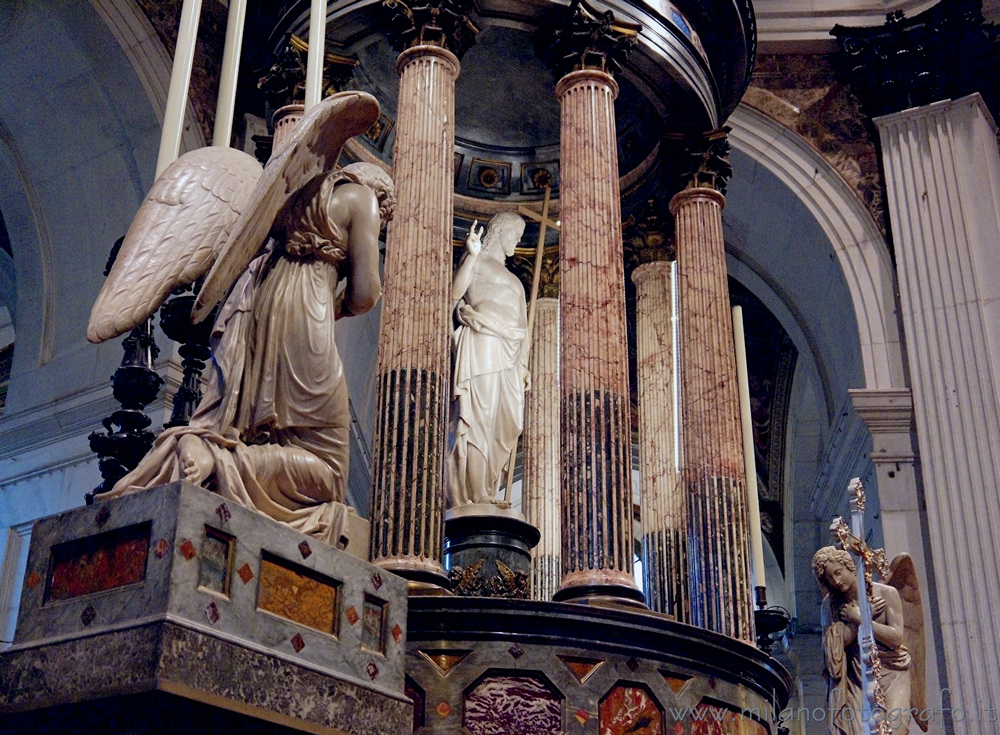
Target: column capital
<point>945,52</point>
<point>580,37</point>
<point>648,237</point>
<point>703,160</point>
<point>441,23</point>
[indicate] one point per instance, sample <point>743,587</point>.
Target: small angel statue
<point>897,626</point>
<point>295,246</point>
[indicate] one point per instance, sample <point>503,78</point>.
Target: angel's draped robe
<point>274,414</point>
<point>843,672</point>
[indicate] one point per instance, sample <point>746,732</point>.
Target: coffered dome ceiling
<point>687,73</point>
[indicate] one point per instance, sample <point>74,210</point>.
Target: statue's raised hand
<point>474,242</point>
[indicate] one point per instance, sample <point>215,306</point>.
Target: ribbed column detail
<point>942,173</point>
<point>540,477</point>
<point>414,350</point>
<point>596,477</point>
<point>664,530</point>
<point>712,450</point>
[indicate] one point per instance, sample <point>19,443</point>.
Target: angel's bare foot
<point>196,462</point>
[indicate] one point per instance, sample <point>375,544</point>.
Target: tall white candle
<point>753,504</point>
<point>226,103</point>
<point>180,80</point>
<point>317,51</point>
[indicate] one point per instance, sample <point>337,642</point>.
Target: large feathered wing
<point>175,236</point>
<point>903,576</point>
<point>312,148</point>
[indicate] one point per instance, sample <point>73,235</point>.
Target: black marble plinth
<point>489,554</point>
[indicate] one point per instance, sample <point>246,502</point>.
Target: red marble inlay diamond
<point>224,514</point>
<point>88,616</point>
<point>212,612</point>
<point>305,550</point>
<point>443,709</point>
<point>161,548</point>
<point>352,615</point>
<point>516,651</point>
<point>245,572</point>
<point>103,515</point>
<point>377,580</point>
<point>187,550</point>
<point>678,728</point>
<point>297,643</point>
<point>632,664</point>
<point>372,670</point>
<point>582,716</point>
<point>33,579</point>
<point>397,632</point>
<point>712,682</point>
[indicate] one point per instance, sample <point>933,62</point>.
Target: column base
<point>602,595</point>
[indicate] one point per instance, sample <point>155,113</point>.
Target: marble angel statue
<point>295,247</point>
<point>897,625</point>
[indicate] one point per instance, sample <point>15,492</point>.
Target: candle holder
<point>767,620</point>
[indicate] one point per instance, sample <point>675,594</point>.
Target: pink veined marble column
<point>664,530</point>
<point>597,549</point>
<point>712,470</point>
<point>540,478</point>
<point>414,350</point>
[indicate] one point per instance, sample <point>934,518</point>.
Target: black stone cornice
<point>946,52</point>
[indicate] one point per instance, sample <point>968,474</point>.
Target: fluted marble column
<point>664,531</point>
<point>414,353</point>
<point>712,469</point>
<point>596,435</point>
<point>540,477</point>
<point>942,171</point>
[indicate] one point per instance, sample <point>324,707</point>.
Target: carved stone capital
<point>442,23</point>
<point>702,161</point>
<point>946,52</point>
<point>648,237</point>
<point>579,37</point>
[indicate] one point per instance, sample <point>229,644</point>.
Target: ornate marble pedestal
<point>171,610</point>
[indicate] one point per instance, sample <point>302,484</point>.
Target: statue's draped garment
<point>488,385</point>
<point>843,672</point>
<point>274,414</point>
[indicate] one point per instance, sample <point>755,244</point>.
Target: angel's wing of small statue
<point>175,236</point>
<point>211,212</point>
<point>903,576</point>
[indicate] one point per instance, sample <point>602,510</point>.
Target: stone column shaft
<point>664,527</point>
<point>596,435</point>
<point>942,172</point>
<point>712,451</point>
<point>540,477</point>
<point>414,364</point>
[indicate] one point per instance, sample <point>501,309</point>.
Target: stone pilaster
<point>414,366</point>
<point>596,434</point>
<point>942,170</point>
<point>664,527</point>
<point>712,469</point>
<point>540,478</point>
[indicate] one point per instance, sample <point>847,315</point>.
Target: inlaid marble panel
<point>512,705</point>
